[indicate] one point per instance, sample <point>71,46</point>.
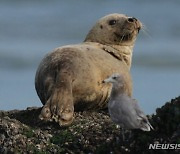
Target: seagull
<point>123,109</point>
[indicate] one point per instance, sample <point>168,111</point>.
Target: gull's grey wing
<point>123,112</point>
<point>141,116</point>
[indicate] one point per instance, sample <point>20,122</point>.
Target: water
<point>30,29</point>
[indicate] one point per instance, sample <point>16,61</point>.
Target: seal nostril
<point>132,19</point>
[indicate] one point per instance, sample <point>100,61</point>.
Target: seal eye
<point>112,22</point>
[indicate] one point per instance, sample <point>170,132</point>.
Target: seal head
<point>123,30</point>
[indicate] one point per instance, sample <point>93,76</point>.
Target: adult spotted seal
<point>70,77</point>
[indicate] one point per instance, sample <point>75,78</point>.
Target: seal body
<point>70,77</point>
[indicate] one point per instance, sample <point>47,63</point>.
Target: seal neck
<point>120,52</point>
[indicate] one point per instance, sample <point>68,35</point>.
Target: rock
<point>91,132</point>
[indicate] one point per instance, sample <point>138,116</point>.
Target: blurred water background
<point>30,29</point>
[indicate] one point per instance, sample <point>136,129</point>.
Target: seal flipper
<point>60,102</point>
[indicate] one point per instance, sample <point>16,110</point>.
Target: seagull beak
<point>106,80</point>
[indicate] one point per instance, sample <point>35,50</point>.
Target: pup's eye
<point>112,22</point>
<point>114,77</point>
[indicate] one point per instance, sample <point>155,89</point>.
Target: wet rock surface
<point>91,132</point>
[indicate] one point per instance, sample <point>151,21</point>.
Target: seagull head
<point>115,79</point>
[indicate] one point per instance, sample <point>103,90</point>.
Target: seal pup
<point>70,77</point>
<point>124,110</point>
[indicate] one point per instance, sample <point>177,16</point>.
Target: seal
<point>70,78</point>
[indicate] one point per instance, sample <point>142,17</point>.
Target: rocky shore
<point>21,131</point>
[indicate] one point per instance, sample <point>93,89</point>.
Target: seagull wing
<point>122,111</point>
<point>146,126</point>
